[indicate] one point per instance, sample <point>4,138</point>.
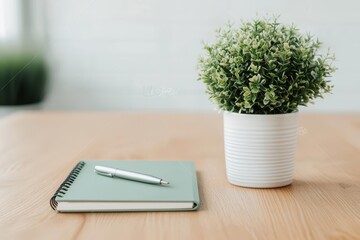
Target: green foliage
<point>23,78</point>
<point>264,67</point>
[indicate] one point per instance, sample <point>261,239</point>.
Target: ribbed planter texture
<point>260,149</point>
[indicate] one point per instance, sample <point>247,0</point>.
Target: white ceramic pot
<point>260,149</point>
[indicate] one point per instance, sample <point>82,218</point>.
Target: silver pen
<point>139,177</point>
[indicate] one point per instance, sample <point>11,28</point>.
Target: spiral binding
<point>66,184</point>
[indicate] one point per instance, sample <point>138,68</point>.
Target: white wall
<point>142,55</point>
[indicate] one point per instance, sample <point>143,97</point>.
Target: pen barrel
<point>137,177</point>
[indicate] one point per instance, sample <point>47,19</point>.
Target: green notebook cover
<point>84,185</point>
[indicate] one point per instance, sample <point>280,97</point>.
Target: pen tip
<point>162,182</point>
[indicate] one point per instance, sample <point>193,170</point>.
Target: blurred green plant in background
<point>23,78</point>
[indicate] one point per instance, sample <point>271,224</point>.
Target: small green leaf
<point>255,90</point>
<point>253,67</point>
<point>286,46</point>
<point>247,105</point>
<point>247,93</point>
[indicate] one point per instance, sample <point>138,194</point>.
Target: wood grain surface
<point>38,149</point>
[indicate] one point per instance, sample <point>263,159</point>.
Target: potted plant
<point>259,74</point>
<point>23,78</point>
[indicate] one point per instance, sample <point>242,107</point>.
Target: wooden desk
<point>38,149</point>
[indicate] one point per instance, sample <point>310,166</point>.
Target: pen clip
<point>107,174</point>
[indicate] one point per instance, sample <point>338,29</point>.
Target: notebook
<point>86,191</point>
